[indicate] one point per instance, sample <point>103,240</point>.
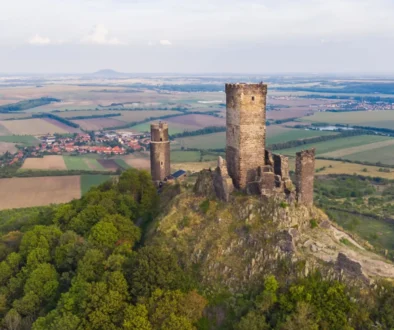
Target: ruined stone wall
<point>305,174</point>
<point>160,152</point>
<point>245,135</point>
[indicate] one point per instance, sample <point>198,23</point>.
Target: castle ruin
<point>160,152</point>
<point>249,166</point>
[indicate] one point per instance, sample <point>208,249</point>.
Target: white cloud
<point>165,42</point>
<point>99,35</point>
<point>38,40</point>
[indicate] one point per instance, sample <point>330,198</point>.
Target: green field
<point>279,134</point>
<point>88,181</point>
<point>21,139</point>
<point>122,164</point>
<point>336,145</point>
<point>207,141</point>
<point>275,134</point>
<point>381,118</point>
<point>76,163</point>
<point>179,156</point>
<point>385,155</point>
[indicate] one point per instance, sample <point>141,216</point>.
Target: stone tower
<point>160,152</point>
<point>245,134</point>
<point>305,173</point>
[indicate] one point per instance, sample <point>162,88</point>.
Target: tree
<point>136,317</point>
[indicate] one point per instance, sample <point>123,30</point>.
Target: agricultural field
<point>90,180</point>
<point>378,118</point>
<point>34,126</point>
<point>184,123</point>
<point>7,146</point>
<point>39,191</point>
<point>138,160</point>
<point>27,140</point>
<point>275,134</point>
<point>45,163</point>
<point>337,145</point>
<point>99,123</point>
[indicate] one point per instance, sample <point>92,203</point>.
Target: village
<point>104,143</point>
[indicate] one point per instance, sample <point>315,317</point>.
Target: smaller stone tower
<point>305,174</point>
<point>160,152</point>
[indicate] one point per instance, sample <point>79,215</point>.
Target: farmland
<point>20,139</point>
<point>275,134</point>
<point>180,124</point>
<point>31,127</point>
<point>137,160</point>
<point>98,123</point>
<point>380,119</point>
<point>45,163</point>
<point>336,145</point>
<point>7,146</point>
<point>28,192</point>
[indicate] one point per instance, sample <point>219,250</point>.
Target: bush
<point>313,223</point>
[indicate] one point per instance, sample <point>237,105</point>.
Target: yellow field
<point>46,163</point>
<point>7,146</point>
<point>29,192</point>
<point>193,167</point>
<point>338,167</point>
<point>138,160</point>
<point>34,126</point>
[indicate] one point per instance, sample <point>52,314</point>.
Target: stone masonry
<point>160,152</point>
<point>249,166</point>
<point>245,135</point>
<point>305,173</point>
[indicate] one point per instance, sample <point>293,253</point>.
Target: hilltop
<point>125,257</point>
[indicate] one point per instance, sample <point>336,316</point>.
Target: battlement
<point>246,88</point>
<point>159,132</point>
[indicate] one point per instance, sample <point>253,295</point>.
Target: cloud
<point>99,35</point>
<point>165,42</point>
<point>38,40</point>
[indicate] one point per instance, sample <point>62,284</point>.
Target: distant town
<point>104,143</point>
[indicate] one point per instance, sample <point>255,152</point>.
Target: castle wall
<point>160,152</point>
<point>305,174</point>
<point>245,135</point>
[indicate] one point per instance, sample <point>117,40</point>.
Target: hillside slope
<point>236,244</point>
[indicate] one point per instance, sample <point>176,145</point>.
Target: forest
<point>28,104</point>
<point>87,265</point>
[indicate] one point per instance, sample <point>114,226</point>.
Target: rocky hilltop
<point>236,244</point>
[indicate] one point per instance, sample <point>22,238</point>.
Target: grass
<point>179,156</point>
<point>383,155</point>
<point>208,141</point>
<point>122,163</point>
<point>76,163</point>
<point>378,232</point>
<point>338,144</point>
<point>91,180</point>
<point>21,139</point>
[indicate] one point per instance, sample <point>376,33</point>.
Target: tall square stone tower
<point>160,152</point>
<point>245,135</point>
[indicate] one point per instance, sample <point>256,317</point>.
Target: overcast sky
<point>234,36</point>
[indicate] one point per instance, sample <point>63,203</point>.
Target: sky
<point>197,36</point>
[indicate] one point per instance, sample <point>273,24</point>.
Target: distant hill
<point>108,73</point>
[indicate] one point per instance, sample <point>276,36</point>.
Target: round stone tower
<point>160,152</point>
<point>245,134</point>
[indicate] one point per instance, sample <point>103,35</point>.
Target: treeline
<point>28,104</point>
<point>60,119</point>
<point>170,87</point>
<point>95,116</point>
<point>297,143</point>
<point>203,131</point>
<point>280,121</point>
